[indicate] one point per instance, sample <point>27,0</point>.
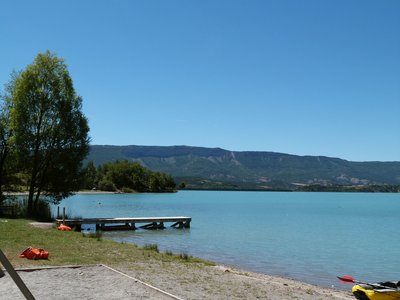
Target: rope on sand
<point>142,282</point>
<point>101,265</point>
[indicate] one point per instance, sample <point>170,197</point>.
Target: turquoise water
<point>311,237</point>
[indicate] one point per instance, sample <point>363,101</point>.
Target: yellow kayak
<point>378,291</point>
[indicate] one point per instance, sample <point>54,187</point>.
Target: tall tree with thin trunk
<point>50,130</point>
<point>6,149</point>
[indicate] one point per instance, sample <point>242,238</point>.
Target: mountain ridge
<point>202,167</point>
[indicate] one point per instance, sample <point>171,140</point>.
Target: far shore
<point>85,192</point>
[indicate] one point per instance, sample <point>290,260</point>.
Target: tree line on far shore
<point>127,177</point>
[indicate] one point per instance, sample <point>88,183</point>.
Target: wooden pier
<point>127,223</point>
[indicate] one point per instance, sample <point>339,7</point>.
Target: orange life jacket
<point>34,253</point>
<point>64,227</point>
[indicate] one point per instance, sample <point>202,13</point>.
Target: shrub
<point>127,190</point>
<point>153,247</point>
<point>107,185</point>
<point>184,256</point>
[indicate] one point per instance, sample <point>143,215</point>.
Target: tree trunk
<point>35,168</point>
<point>30,197</point>
<point>2,172</point>
<point>35,203</point>
<point>32,186</point>
<point>1,194</point>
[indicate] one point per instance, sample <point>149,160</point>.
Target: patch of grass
<point>98,235</point>
<point>309,291</point>
<point>72,248</point>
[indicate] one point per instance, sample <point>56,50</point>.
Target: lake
<point>311,237</point>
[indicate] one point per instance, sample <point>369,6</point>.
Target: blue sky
<point>312,77</point>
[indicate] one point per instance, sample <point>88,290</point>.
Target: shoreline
<point>185,277</point>
<point>241,272</point>
<point>231,282</point>
<point>215,280</point>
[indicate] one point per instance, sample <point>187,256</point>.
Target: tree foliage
<point>127,176</point>
<point>50,132</point>
<point>5,134</point>
<point>8,168</point>
<point>89,176</point>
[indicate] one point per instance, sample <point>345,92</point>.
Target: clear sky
<point>310,77</point>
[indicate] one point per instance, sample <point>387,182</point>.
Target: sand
<point>86,282</point>
<point>167,280</point>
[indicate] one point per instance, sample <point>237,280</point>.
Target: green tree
<point>4,146</point>
<point>89,176</point>
<point>6,149</point>
<point>140,178</point>
<point>51,132</point>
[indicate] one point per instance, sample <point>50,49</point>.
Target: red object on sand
<point>34,253</point>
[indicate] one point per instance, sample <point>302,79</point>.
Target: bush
<point>127,190</point>
<point>107,185</point>
<point>184,256</point>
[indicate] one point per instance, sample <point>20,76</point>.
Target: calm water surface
<point>312,237</point>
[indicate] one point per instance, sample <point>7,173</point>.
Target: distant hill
<point>215,168</point>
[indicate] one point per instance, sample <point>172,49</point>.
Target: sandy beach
<point>158,280</point>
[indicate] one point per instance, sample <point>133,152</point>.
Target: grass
<point>72,248</point>
<point>96,235</point>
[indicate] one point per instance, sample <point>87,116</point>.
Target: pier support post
<point>186,224</point>
<point>178,224</point>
